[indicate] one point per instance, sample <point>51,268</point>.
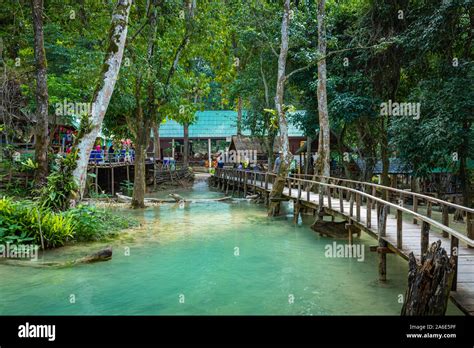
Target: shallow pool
<point>209,258</point>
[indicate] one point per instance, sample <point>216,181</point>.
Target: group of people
<point>125,154</point>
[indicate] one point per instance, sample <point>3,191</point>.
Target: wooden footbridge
<point>408,227</point>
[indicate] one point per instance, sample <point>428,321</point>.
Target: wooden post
<point>289,187</point>
<point>454,255</point>
<point>341,200</point>
<point>445,219</point>
<point>425,231</point>
<point>266,181</point>
<point>399,229</point>
<point>296,212</point>
<point>329,198</point>
<point>234,181</point>
<point>227,175</point>
<point>381,226</point>
<point>113,181</point>
<point>357,207</point>
<point>96,180</point>
<point>415,209</point>
<point>425,237</point>
<point>351,203</point>
<point>209,157</point>
<point>369,213</point>
<point>349,230</point>
<point>299,190</point>
<point>470,226</point>
<point>245,184</point>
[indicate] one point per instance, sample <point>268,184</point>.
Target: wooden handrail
<point>373,198</point>
<point>388,188</point>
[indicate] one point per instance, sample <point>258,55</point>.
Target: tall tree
<point>104,89</point>
<point>42,121</point>
<point>323,161</point>
<point>285,154</point>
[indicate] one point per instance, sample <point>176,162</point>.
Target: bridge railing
<point>400,196</point>
<point>329,193</point>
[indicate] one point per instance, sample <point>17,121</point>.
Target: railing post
<point>266,181</point>
<point>425,237</point>
<point>329,197</point>
<point>245,184</point>
<point>358,207</point>
<point>454,256</point>
<point>289,186</point>
<point>470,226</point>
<point>415,208</point>
<point>341,200</point>
<point>351,203</point>
<point>445,219</point>
<point>299,190</point>
<point>369,213</point>
<point>399,229</point>
<point>382,228</point>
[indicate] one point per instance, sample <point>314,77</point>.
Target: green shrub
<point>126,187</point>
<point>26,222</point>
<point>92,223</point>
<point>61,186</point>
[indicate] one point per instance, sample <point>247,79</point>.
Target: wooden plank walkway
<point>463,297</point>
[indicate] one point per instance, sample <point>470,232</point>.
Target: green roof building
<point>213,125</point>
<point>211,129</point>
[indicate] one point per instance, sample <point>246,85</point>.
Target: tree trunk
<point>463,171</point>
<point>308,155</point>
<point>429,283</point>
<point>323,161</point>
<point>156,141</point>
<point>186,144</point>
<point>385,155</point>
<point>239,116</point>
<point>144,121</point>
<point>285,156</point>
<point>104,90</point>
<point>139,183</point>
<point>41,127</point>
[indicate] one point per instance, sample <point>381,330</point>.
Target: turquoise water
<point>183,260</point>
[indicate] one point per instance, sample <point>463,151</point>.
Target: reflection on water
<point>217,258</point>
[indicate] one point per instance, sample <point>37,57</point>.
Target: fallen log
<point>100,256</point>
<point>176,197</point>
<point>127,199</point>
<point>429,282</point>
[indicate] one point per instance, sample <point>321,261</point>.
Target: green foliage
<point>25,222</point>
<point>91,223</point>
<point>61,186</point>
<point>126,187</point>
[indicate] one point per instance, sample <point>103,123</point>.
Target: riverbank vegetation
<point>27,222</point>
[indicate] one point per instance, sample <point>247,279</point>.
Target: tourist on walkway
<point>276,168</point>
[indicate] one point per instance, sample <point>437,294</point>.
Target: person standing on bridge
<point>276,168</point>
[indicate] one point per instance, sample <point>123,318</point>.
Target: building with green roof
<point>215,127</point>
